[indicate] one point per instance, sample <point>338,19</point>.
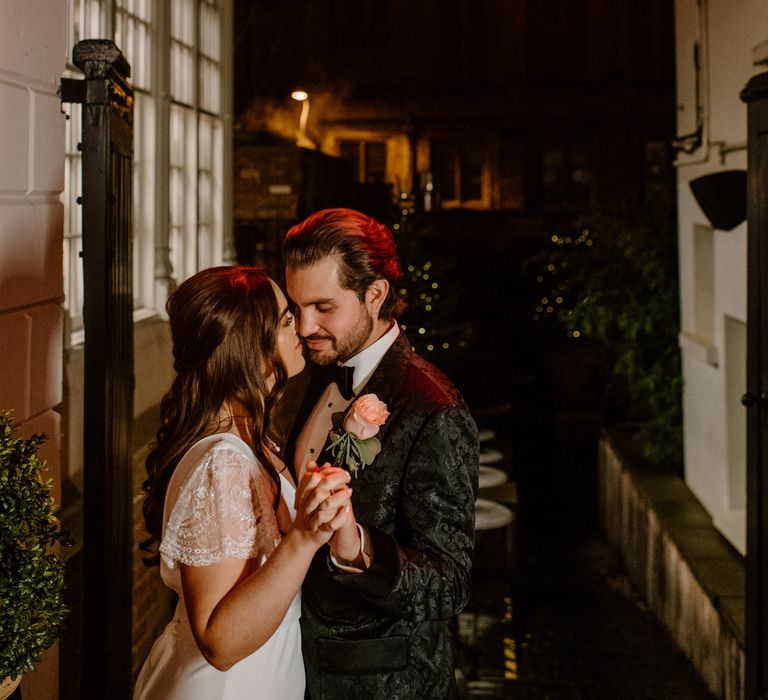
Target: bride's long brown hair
<point>224,324</point>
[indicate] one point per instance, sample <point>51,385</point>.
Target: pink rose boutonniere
<point>354,443</point>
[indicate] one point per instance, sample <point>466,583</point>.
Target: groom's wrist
<point>361,560</point>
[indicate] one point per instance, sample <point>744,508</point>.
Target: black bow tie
<point>342,375</point>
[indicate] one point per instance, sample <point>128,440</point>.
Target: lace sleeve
<point>223,509</point>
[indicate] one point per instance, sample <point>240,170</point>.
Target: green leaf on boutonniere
<point>367,450</point>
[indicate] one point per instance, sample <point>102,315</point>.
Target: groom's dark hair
<point>365,249</point>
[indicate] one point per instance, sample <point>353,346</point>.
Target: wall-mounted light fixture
<point>301,138</point>
<point>722,197</point>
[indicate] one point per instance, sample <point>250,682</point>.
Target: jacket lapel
<point>385,380</point>
<point>315,389</point>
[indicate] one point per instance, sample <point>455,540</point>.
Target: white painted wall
<point>32,58</point>
<point>714,372</point>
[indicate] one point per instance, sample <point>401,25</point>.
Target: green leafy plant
<point>32,608</point>
<point>610,278</point>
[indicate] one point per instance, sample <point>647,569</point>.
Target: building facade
<point>180,54</point>
<point>480,104</point>
<point>32,50</point>
<point>719,45</point>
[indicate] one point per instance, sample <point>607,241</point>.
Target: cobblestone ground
<point>567,623</point>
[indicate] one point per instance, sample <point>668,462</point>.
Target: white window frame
<point>143,30</point>
<point>460,202</point>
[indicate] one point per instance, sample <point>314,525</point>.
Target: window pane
<point>210,88</point>
<point>182,73</point>
<point>375,161</point>
<point>134,38</point>
<point>183,191</point>
<point>210,32</point>
<point>205,154</point>
<point>472,158</point>
<point>350,151</point>
<point>144,10</point>
<point>580,162</point>
<point>553,174</point>
<point>553,164</point>
<point>73,241</point>
<point>444,170</point>
<point>144,201</point>
<point>183,21</point>
<point>512,167</point>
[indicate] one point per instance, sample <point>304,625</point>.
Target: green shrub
<point>611,278</point>
<point>32,607</point>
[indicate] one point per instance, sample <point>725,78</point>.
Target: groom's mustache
<point>315,336</point>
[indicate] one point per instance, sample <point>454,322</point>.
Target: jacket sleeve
<point>423,573</point>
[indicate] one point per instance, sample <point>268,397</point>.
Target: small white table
<point>490,476</point>
<point>490,515</point>
<point>486,434</point>
<point>490,456</point>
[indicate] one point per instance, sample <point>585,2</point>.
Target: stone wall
<point>689,574</point>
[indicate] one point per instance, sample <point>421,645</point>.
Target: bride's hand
<point>345,542</point>
<point>322,502</point>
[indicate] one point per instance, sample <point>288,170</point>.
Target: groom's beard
<point>348,345</point>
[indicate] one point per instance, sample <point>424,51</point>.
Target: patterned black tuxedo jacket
<point>384,633</point>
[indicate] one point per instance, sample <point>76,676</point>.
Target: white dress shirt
<point>314,434</point>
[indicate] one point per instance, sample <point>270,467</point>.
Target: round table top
<point>490,515</point>
<point>490,476</point>
<point>486,434</point>
<point>490,456</point>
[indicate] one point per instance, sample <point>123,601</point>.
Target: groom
<point>376,612</point>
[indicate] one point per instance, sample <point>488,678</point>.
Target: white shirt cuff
<point>353,569</point>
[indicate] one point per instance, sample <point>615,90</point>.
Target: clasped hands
<point>324,510</point>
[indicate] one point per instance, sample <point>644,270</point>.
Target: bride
<point>235,534</point>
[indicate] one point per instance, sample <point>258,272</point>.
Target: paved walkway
<point>567,624</point>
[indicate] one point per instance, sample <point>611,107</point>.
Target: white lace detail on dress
<point>224,509</point>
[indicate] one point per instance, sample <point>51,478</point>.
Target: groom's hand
<point>321,495</point>
<point>351,546</point>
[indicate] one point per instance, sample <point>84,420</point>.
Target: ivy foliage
<point>32,608</point>
<point>610,279</point>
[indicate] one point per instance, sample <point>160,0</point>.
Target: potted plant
<point>32,607</point>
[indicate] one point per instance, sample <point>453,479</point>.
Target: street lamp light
<point>302,139</point>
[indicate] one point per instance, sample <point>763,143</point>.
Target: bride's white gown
<point>219,504</point>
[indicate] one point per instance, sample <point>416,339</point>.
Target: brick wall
<point>152,601</point>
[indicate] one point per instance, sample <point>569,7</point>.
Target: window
<point>196,166</point>
<point>176,51</point>
<point>512,176</point>
<point>368,158</point>
<point>461,173</point>
<point>566,173</point>
<point>133,35</point>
